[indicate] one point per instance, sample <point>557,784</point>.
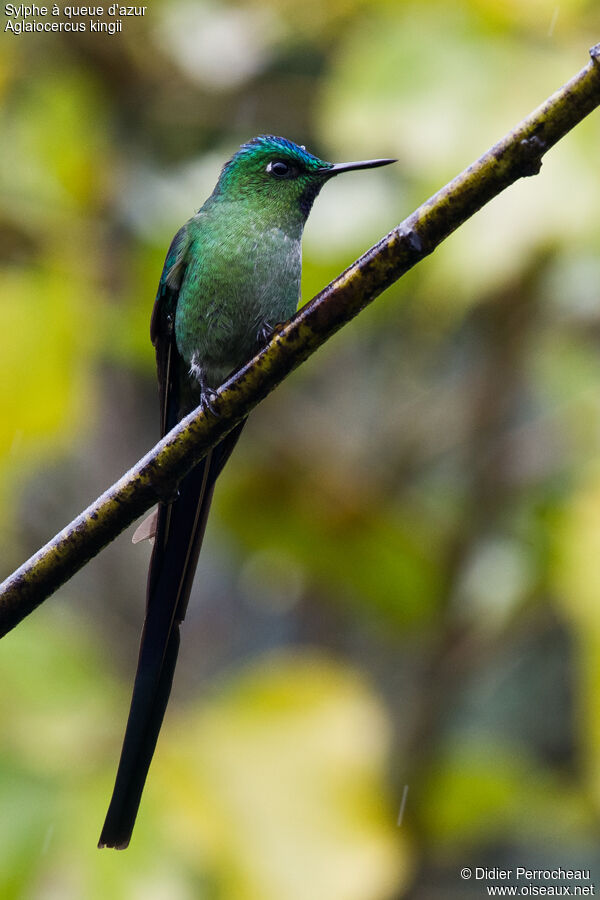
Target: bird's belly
<point>223,309</point>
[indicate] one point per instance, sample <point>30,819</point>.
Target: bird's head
<point>272,171</point>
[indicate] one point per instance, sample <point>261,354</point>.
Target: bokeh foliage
<point>401,576</point>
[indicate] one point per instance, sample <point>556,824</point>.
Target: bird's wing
<point>162,327</point>
<point>162,335</point>
<point>179,532</point>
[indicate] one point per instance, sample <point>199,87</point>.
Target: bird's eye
<point>280,169</point>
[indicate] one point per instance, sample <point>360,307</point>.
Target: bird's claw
<point>207,398</point>
<point>266,332</point>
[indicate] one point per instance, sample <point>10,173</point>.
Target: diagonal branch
<point>156,476</point>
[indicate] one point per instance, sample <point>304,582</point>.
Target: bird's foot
<point>267,331</point>
<point>207,394</point>
<point>207,399</point>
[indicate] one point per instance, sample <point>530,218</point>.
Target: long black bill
<point>338,168</point>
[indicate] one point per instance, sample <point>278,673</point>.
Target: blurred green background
<point>401,577</point>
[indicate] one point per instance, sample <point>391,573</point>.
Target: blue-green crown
<point>270,143</point>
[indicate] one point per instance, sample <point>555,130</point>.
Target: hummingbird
<point>231,277</point>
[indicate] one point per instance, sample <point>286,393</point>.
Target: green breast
<point>240,275</point>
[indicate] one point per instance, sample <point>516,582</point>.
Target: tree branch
<point>156,476</point>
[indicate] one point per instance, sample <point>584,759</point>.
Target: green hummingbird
<point>231,275</point>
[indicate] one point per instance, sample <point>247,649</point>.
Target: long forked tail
<point>180,530</point>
